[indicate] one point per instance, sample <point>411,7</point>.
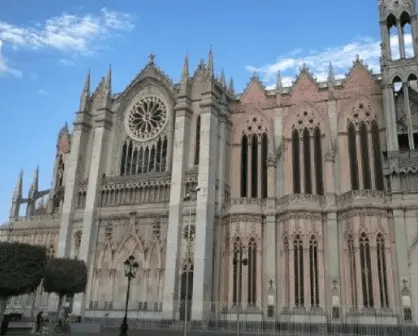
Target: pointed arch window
<point>264,156</point>
<point>307,161</point>
<point>137,159</point>
<point>382,271</point>
<point>252,272</point>
<point>365,159</point>
<point>244,165</point>
<point>237,272</point>
<point>197,141</point>
<point>296,161</point>
<point>313,271</point>
<point>352,154</point>
<point>298,271</point>
<point>254,166</point>
<point>366,271</point>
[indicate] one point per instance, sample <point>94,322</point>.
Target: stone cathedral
<point>281,202</point>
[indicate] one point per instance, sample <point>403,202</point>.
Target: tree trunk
<point>3,303</point>
<point>60,297</point>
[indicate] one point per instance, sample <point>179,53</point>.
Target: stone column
<point>73,169</point>
<point>414,30</point>
<point>401,40</point>
<point>405,88</point>
<point>180,157</point>
<point>103,124</point>
<point>269,257</point>
<point>205,209</point>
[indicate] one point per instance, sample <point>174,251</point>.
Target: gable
<point>304,87</point>
<point>254,92</point>
<point>359,77</point>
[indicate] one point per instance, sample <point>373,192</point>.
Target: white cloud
<point>69,33</point>
<point>318,61</point>
<point>4,67</point>
<point>43,92</point>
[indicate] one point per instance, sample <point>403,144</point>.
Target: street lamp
<point>130,266</point>
<point>189,235</point>
<point>239,262</point>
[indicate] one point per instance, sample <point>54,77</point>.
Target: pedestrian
<point>39,321</point>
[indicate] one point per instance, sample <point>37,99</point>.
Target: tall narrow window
<point>244,165</point>
<point>307,160</point>
<point>77,243</point>
<point>60,172</point>
<point>377,154</point>
<point>164,155</point>
<point>123,160</point>
<point>264,154</point>
<point>319,179</point>
<point>352,270</point>
<point>134,161</point>
<point>254,166</point>
<point>158,157</point>
<point>365,159</point>
<point>298,270</point>
<point>152,159</point>
<point>313,271</point>
<point>252,272</point>
<point>352,154</point>
<point>296,161</point>
<point>197,142</point>
<point>146,160</point>
<point>382,272</point>
<point>141,161</point>
<point>129,159</point>
<point>237,272</point>
<point>366,271</point>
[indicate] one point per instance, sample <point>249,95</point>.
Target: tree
<point>65,277</point>
<point>21,270</point>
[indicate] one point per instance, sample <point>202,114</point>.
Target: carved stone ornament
<point>146,118</point>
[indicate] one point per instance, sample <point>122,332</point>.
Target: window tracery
<point>298,262</point>
<point>146,118</point>
<point>364,150</point>
<point>254,153</point>
<point>307,159</point>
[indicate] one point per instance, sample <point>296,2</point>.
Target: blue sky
<point>46,48</point>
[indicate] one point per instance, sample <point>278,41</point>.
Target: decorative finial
<point>231,87</point>
<point>211,66</point>
<point>151,58</point>
<point>222,79</point>
<point>279,84</point>
<point>331,75</point>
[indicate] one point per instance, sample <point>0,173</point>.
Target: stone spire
<point>279,84</point>
<point>17,193</point>
<point>331,76</point>
<point>185,75</point>
<point>108,81</point>
<point>231,89</point>
<point>106,89</point>
<point>210,68</point>
<point>222,79</point>
<point>35,181</point>
<point>85,94</point>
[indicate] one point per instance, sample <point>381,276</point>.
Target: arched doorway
<point>186,291</point>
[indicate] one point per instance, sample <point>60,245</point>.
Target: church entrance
<point>186,292</point>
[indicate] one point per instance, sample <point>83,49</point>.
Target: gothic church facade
<point>303,199</point>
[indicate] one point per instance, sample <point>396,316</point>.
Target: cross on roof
<point>151,58</point>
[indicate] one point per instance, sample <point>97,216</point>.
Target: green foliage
<point>21,268</point>
<point>64,276</point>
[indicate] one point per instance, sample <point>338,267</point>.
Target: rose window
<point>147,118</point>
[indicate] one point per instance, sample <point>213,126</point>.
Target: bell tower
<point>399,48</point>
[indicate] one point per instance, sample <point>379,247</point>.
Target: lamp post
<point>130,266</point>
<point>239,262</point>
<point>189,237</point>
